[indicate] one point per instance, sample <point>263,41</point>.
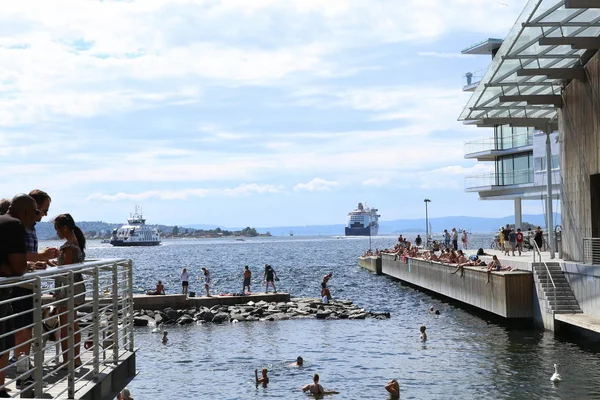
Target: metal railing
<point>85,308</point>
<point>518,177</point>
<point>536,250</point>
<point>498,143</point>
<point>473,78</point>
<point>591,251</point>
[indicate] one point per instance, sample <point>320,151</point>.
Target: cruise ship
<point>363,222</point>
<point>135,232</point>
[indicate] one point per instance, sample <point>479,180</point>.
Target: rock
<point>358,316</point>
<point>261,303</point>
<point>323,314</point>
<point>140,321</point>
<point>220,318</point>
<point>238,317</point>
<point>277,317</point>
<point>150,313</point>
<point>250,303</point>
<point>158,319</point>
<point>252,318</point>
<point>380,315</point>
<point>258,312</point>
<point>171,314</point>
<point>185,319</point>
<point>208,316</point>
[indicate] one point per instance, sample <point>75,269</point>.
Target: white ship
<point>363,222</point>
<point>135,232</point>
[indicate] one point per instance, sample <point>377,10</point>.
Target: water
<point>465,356</point>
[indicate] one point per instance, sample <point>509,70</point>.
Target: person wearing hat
<point>270,276</point>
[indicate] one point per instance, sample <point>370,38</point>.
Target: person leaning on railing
<point>21,215</point>
<point>71,252</point>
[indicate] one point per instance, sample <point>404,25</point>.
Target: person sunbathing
<point>495,265</point>
<point>461,257</point>
<point>471,262</point>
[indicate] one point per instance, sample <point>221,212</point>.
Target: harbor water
<point>467,355</point>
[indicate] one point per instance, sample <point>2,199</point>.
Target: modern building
<point>546,75</point>
<point>517,153</point>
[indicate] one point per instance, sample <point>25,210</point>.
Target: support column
<point>518,214</point>
<point>550,220</point>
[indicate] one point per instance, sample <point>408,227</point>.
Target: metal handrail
<point>99,344</point>
<point>536,249</point>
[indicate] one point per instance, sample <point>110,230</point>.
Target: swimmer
<point>264,380</point>
<point>316,388</point>
<point>393,387</point>
<point>423,333</point>
<point>299,362</point>
<point>431,309</point>
<point>437,312</point>
<point>165,339</point>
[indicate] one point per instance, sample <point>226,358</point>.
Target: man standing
<point>418,241</point>
<point>270,276</point>
<point>519,240</point>
<point>21,215</point>
<point>247,276</point>
<point>446,238</point>
<point>454,238</point>
<point>35,260</point>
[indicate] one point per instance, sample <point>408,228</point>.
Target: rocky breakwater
<point>297,308</point>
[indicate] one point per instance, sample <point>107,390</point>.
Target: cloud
<point>441,55</point>
<point>376,182</point>
<point>316,185</point>
<point>241,190</point>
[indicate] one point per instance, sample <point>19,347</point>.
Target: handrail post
<point>115,315</point>
<point>124,305</point>
<point>71,333</point>
<point>130,295</point>
<point>38,351</point>
<point>96,324</point>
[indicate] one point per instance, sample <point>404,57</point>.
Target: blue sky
<point>258,113</point>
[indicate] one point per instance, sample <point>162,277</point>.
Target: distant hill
<point>472,224</point>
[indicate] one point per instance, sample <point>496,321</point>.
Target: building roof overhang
<point>548,46</point>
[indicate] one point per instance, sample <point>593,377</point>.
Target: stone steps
<point>559,296</point>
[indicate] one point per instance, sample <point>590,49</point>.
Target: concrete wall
<point>579,127</point>
<point>585,283</point>
<point>509,294</point>
<point>372,263</point>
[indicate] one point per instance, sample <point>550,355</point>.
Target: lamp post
<point>426,224</point>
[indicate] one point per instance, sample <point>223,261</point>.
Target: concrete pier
<point>179,301</point>
<point>371,263</point>
<point>509,293</point>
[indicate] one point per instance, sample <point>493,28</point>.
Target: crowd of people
<point>19,254</point>
<point>269,278</point>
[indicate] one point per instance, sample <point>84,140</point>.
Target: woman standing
<point>538,238</point>
<point>71,252</point>
<point>185,281</point>
<point>465,240</point>
<point>206,281</point>
<point>270,276</point>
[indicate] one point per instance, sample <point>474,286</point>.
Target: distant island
<point>103,230</point>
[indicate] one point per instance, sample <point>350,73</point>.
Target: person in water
<point>316,388</point>
<point>264,380</point>
<point>299,362</point>
<point>165,339</point>
<point>393,387</point>
<point>423,328</point>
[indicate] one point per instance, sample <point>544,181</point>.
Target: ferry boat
<point>363,221</point>
<point>135,232</point>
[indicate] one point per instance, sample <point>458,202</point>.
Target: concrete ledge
<point>509,293</point>
<point>580,320</point>
<point>179,301</point>
<point>372,263</point>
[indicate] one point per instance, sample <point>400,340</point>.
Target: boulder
<point>238,317</point>
<point>150,313</point>
<point>220,318</point>
<point>140,321</point>
<point>208,316</point>
<point>323,314</point>
<point>358,316</point>
<point>185,319</point>
<point>171,314</point>
<point>277,317</point>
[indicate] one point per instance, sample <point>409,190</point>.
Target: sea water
<point>467,355</point>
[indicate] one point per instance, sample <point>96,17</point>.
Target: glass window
<point>555,162</point>
<point>521,168</point>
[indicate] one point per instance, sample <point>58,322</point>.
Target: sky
<point>244,113</point>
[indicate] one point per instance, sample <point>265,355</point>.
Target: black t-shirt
<point>505,233</point>
<point>12,237</point>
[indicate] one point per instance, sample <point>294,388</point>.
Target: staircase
<point>565,302</point>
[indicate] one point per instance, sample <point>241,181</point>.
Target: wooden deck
<point>509,293</point>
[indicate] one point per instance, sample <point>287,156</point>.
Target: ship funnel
<point>360,207</point>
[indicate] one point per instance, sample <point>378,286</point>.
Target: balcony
<point>495,180</point>
<point>487,149</point>
<point>472,79</point>
<point>88,306</point>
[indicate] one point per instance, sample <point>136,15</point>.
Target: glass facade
<point>511,137</point>
<point>514,169</point>
<point>540,163</point>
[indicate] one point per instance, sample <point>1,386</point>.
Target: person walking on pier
<point>206,281</point>
<point>247,277</point>
<point>185,281</point>
<point>538,237</point>
<point>446,238</point>
<point>465,240</point>
<point>418,241</point>
<point>454,238</point>
<point>512,240</point>
<point>270,276</point>
<point>519,241</point>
